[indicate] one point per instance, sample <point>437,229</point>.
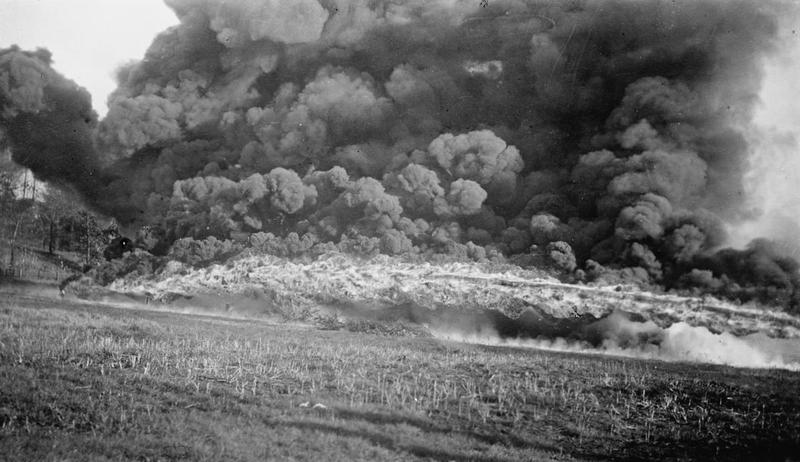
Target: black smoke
<point>117,248</point>
<point>46,120</point>
<point>611,129</point>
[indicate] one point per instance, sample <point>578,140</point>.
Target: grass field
<point>32,263</point>
<point>89,381</point>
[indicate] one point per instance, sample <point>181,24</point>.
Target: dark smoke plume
<point>46,120</point>
<point>611,129</point>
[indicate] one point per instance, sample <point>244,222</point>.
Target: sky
<point>774,137</point>
<point>89,39</point>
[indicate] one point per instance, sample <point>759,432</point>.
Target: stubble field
<point>92,381</point>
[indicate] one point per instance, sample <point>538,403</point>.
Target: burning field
<point>485,181</point>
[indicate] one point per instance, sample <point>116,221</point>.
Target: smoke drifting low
<point>609,130</point>
<point>620,335</point>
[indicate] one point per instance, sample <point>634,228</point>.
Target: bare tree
<point>56,204</point>
<point>14,212</point>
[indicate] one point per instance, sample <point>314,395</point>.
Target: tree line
<point>47,221</point>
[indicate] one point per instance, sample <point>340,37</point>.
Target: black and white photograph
<point>400,230</point>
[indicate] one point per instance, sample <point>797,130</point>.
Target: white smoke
<point>679,342</point>
<point>771,183</point>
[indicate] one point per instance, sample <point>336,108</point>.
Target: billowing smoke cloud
<point>607,129</point>
<point>46,120</point>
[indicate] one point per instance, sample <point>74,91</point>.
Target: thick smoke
<point>46,120</point>
<point>608,129</point>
